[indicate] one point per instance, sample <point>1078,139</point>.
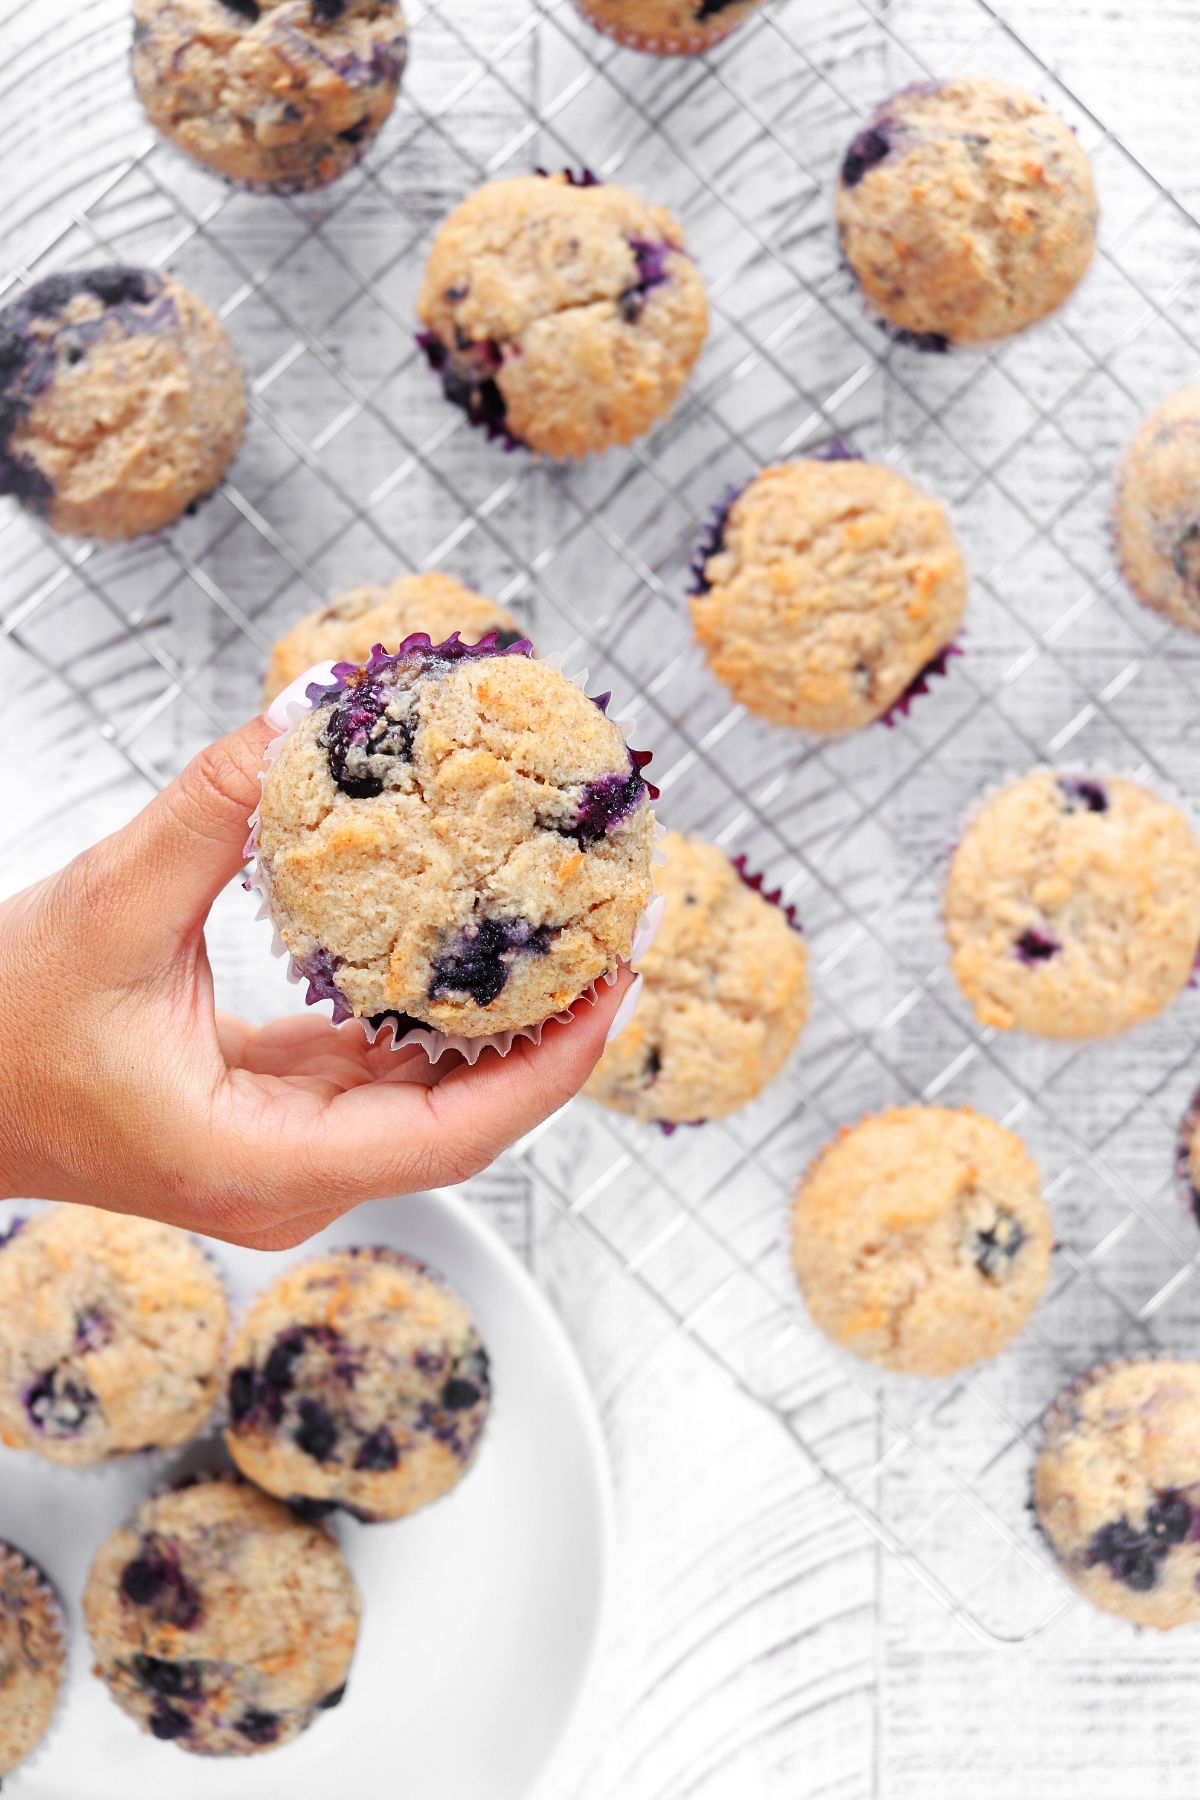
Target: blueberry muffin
<point>33,1656</point>
<point>563,314</point>
<point>1187,1157</point>
<point>830,590</point>
<point>280,96</point>
<point>1072,906</point>
<point>111,1335</point>
<point>920,1240</point>
<point>219,1621</point>
<point>352,625</point>
<point>668,27</point>
<point>967,212</point>
<point>1157,514</point>
<point>1116,1490</point>
<point>358,1380</point>
<point>724,1000</point>
<point>121,401</point>
<point>455,837</point>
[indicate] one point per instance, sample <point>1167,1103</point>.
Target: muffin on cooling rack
<point>724,1000</point>
<point>350,627</point>
<point>829,591</point>
<point>455,837</point>
<point>920,1240</point>
<point>121,401</point>
<point>1157,513</point>
<point>967,212</point>
<point>219,1621</point>
<point>1116,1489</point>
<point>111,1335</point>
<point>277,95</point>
<point>1072,907</point>
<point>33,1656</point>
<point>668,27</point>
<point>563,314</point>
<point>358,1380</point>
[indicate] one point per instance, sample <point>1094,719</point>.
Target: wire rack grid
<point>355,468</point>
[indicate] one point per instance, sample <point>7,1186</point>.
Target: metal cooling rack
<point>355,468</point>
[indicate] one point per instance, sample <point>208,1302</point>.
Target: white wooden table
<point>762,1645</point>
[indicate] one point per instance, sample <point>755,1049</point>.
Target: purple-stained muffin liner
<point>18,1565</point>
<point>580,178</point>
<point>1185,1186</point>
<point>405,1031</point>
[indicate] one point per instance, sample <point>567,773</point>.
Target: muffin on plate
<point>829,592</point>
<point>33,1656</point>
<point>358,1380</point>
<point>563,314</point>
<point>724,1000</point>
<point>280,96</point>
<point>920,1239</point>
<point>455,837</point>
<point>1157,514</point>
<point>668,27</point>
<point>967,212</point>
<point>112,1330</point>
<point>1072,907</point>
<point>121,401</point>
<point>219,1621</point>
<point>1116,1489</point>
<point>349,628</point>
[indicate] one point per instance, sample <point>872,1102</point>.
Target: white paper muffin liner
<point>19,1564</point>
<point>285,711</point>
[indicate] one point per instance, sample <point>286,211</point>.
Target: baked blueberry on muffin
<point>350,627</point>
<point>277,95</point>
<point>563,314</point>
<point>121,401</point>
<point>112,1330</point>
<point>668,27</point>
<point>33,1656</point>
<point>1157,516</point>
<point>219,1621</point>
<point>967,212</point>
<point>1072,906</point>
<point>1116,1489</point>
<point>359,1381</point>
<point>831,589</point>
<point>724,1000</point>
<point>920,1239</point>
<point>455,837</point>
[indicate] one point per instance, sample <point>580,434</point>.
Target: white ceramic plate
<point>480,1616</point>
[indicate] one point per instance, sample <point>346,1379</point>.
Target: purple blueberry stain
<point>58,1404</point>
<point>318,969</point>
<point>93,1330</point>
<point>1083,796</point>
<point>929,343</point>
<point>479,961</point>
<point>712,540</point>
<point>333,1698</point>
<point>867,151</point>
<point>578,178</point>
<point>316,1432</point>
<point>11,1230</point>
<point>937,666</point>
<point>652,272</point>
<point>173,1680</point>
<point>377,1453</point>
<point>1034,947</point>
<point>154,1579</point>
<point>367,733</point>
<point>1186,558</point>
<point>258,1726</point>
<point>245,9</point>
<point>608,801</point>
<point>468,376</point>
<point>996,1247</point>
<point>168,1723</point>
<point>1135,1557</point>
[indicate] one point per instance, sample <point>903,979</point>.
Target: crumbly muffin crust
<point>33,1656</point>
<point>668,27</point>
<point>1157,513</point>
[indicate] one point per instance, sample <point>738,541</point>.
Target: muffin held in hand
<point>668,27</point>
<point>830,592</point>
<point>359,1381</point>
<point>1157,515</point>
<point>1073,906</point>
<point>219,1621</point>
<point>352,625</point>
<point>920,1239</point>
<point>967,212</point>
<point>33,1656</point>
<point>456,837</point>
<point>121,401</point>
<point>562,314</point>
<point>111,1335</point>
<point>277,95</point>
<point>725,997</point>
<point>1116,1490</point>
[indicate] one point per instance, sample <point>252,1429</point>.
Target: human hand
<point>125,1088</point>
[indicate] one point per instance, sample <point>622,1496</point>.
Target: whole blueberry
<point>168,1723</point>
<point>316,1434</point>
<point>258,1726</point>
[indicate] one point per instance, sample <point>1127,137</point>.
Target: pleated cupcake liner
<point>663,43</point>
<point>19,1567</point>
<point>1189,1125</point>
<point>403,1030</point>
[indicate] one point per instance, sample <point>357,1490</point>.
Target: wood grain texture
<point>761,1646</point>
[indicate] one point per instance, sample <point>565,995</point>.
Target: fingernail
<point>296,694</point>
<point>626,1010</point>
<point>648,928</point>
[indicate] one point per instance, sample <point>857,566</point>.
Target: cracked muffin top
<point>920,1240</point>
<point>967,212</point>
<point>457,837</point>
<point>563,314</point>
